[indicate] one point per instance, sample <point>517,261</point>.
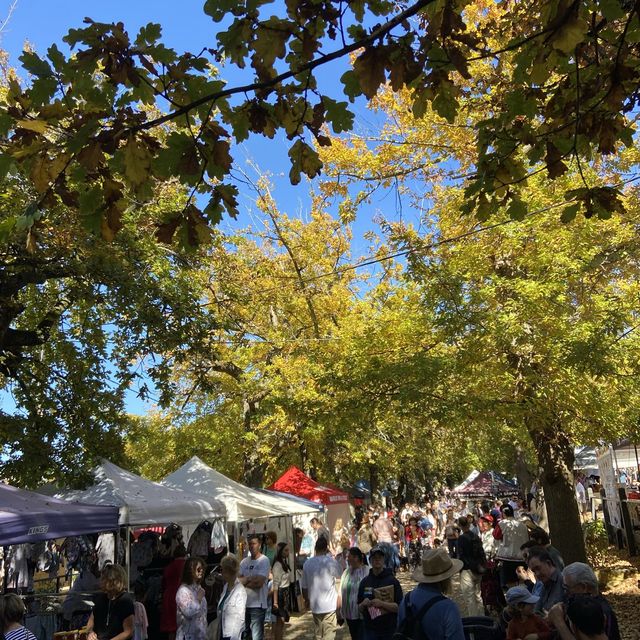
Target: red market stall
<point>336,501</point>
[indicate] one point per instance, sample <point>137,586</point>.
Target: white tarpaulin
<point>242,503</point>
<point>143,502</point>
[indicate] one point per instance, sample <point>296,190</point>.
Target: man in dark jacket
<point>379,595</point>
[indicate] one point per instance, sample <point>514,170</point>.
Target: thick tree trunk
<point>555,455</point>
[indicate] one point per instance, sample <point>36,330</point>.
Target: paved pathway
<point>300,626</point>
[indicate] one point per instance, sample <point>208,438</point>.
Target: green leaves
<point>338,114</point>
<point>369,69</point>
<point>35,65</point>
<point>304,159</point>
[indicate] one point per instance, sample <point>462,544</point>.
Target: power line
<point>428,247</point>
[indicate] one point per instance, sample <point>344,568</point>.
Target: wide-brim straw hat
<point>437,565</point>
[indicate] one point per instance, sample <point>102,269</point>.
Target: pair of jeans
<point>254,623</point>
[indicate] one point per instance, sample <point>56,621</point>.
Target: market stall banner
<point>26,516</point>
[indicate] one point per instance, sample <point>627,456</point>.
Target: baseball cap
<point>376,551</point>
<point>518,595</point>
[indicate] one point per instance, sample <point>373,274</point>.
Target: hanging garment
<point>218,535</point>
<point>105,549</point>
<point>140,622</point>
<point>199,542</point>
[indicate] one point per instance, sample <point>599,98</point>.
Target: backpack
<point>411,627</point>
<point>478,559</point>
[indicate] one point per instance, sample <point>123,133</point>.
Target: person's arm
<point>127,626</point>
<point>556,617</point>
<point>91,635</point>
<point>363,602</point>
<point>277,573</point>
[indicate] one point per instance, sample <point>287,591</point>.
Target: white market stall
<point>142,502</point>
<point>242,503</point>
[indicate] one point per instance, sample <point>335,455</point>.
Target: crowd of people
<point>505,564</point>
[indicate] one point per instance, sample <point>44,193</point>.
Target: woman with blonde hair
<point>231,607</point>
<point>112,617</point>
<point>12,612</point>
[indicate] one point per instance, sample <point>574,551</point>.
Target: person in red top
<point>525,624</point>
<point>171,579</point>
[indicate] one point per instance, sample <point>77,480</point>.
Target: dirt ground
<point>623,590</point>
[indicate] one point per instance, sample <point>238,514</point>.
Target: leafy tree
<point>559,80</point>
<point>83,320</point>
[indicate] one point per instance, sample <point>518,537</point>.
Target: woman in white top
<point>191,604</point>
<point>233,601</point>
<point>281,583</point>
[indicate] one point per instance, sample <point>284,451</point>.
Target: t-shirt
<point>21,633</point>
<point>383,530</point>
<point>108,615</point>
<point>256,598</point>
<point>319,578</point>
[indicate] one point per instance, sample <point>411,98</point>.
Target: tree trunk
<point>373,479</point>
<point>555,455</point>
<point>523,473</point>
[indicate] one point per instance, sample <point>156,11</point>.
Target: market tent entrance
<point>485,483</point>
<point>143,502</point>
<point>297,483</point>
<point>241,502</point>
<point>26,516</point>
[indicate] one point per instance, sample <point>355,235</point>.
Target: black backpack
<point>411,627</point>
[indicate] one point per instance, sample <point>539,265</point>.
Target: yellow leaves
<point>39,126</point>
<point>137,161</point>
<point>46,169</point>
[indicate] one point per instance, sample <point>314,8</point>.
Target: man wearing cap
<point>442,620</point>
<point>379,595</point>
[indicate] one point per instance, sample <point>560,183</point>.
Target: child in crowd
<point>525,624</point>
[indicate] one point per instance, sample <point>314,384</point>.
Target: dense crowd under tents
<point>50,543</point>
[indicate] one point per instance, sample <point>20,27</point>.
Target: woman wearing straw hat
<point>438,615</point>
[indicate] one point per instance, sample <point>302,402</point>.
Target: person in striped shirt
<point>356,571</point>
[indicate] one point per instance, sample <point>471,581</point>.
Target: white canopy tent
<point>143,502</point>
<point>242,503</point>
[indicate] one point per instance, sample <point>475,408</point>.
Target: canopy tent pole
<point>127,556</point>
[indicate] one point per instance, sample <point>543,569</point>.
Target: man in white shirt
<point>254,573</point>
<point>319,576</point>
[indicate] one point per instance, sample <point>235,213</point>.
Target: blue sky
<point>186,27</point>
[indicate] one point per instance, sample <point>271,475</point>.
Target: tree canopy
<point>557,81</point>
